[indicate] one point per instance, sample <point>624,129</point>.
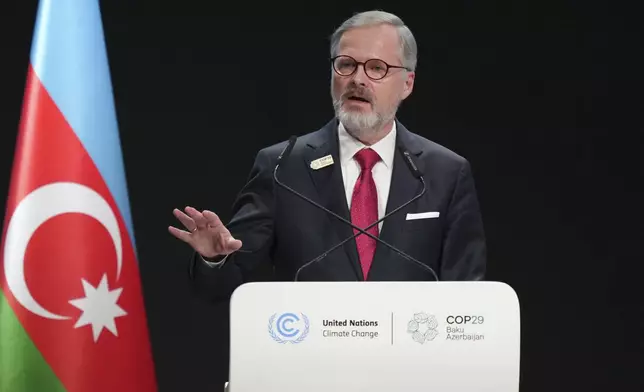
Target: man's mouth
<point>357,98</point>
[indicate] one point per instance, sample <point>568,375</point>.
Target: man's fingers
<point>187,221</point>
<point>180,234</point>
<point>231,245</point>
<point>197,216</point>
<point>212,219</point>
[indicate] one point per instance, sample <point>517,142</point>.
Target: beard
<point>360,124</point>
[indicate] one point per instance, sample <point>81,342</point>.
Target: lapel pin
<point>322,162</point>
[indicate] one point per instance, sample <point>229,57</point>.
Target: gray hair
<point>408,48</point>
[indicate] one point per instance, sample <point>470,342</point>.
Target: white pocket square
<point>423,215</point>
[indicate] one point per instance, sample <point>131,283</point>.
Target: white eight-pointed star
<point>99,307</point>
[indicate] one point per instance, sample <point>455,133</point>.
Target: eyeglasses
<point>375,69</point>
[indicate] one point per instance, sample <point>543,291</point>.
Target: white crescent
<point>35,209</point>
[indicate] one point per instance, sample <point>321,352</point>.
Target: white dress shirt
<point>381,171</point>
<point>349,146</point>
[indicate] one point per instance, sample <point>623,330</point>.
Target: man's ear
<point>409,84</point>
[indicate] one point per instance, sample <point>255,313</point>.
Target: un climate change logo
<point>423,328</point>
<point>288,327</point>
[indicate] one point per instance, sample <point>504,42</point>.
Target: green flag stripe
<point>22,367</point>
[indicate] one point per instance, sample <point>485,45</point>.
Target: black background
<point>543,98</point>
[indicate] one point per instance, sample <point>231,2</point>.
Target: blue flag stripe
<point>69,56</point>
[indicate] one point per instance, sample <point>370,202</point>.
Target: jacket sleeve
<point>464,247</point>
<point>252,223</point>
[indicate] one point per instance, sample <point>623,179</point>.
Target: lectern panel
<point>375,336</point>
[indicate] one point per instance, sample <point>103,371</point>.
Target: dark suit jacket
<point>282,231</point>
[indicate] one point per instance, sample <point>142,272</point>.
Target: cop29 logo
<point>423,327</point>
<point>288,327</point>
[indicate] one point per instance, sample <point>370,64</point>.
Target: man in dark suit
<point>354,166</point>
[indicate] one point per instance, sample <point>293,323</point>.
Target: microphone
<point>287,150</point>
<point>412,167</point>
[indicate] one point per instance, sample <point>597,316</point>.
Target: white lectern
<point>375,337</point>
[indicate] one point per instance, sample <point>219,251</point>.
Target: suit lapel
<point>330,187</point>
<point>404,186</point>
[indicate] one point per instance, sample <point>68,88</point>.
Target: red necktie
<point>364,207</point>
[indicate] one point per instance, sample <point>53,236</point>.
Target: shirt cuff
<point>214,264</point>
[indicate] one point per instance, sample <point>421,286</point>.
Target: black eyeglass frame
<point>364,66</point>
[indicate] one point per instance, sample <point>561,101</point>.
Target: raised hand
<point>205,233</point>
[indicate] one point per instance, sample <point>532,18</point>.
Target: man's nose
<point>360,77</point>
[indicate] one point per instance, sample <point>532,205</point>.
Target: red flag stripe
<point>70,248</point>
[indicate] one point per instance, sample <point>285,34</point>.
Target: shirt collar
<point>349,146</point>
